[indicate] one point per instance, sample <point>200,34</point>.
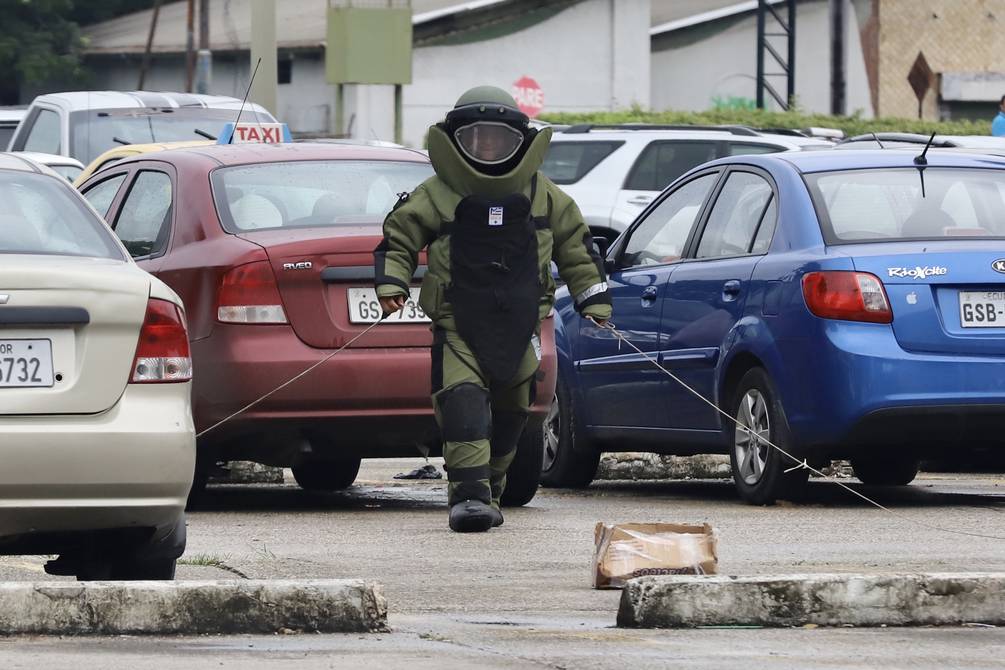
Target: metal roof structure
<point>300,24</point>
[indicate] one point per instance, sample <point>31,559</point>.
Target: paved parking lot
<point>520,595</point>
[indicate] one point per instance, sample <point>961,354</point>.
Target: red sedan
<point>271,249</point>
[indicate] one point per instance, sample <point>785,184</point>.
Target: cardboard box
<point>628,550</point>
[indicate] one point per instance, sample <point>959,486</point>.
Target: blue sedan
<point>837,304</point>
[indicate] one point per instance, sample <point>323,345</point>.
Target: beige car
<point>97,443</point>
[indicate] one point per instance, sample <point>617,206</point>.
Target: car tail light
<point>162,354</point>
<point>851,296</point>
<point>249,294</point>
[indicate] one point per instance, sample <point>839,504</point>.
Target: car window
<point>735,216</point>
<point>662,162</point>
<point>661,236</point>
<point>745,148</point>
<point>71,172</point>
<point>44,133</point>
<point>568,162</point>
<point>903,204</point>
<point>144,220</point>
<point>311,193</point>
<point>41,215</point>
<point>765,231</point>
<point>101,195</point>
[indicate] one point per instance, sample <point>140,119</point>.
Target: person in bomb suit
<point>492,224</point>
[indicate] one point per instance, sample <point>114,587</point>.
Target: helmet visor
<point>488,142</point>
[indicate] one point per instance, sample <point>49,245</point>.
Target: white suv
<point>613,172</point>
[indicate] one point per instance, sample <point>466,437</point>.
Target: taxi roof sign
<point>255,133</point>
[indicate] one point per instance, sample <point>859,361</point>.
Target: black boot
<point>472,516</point>
<point>497,517</point>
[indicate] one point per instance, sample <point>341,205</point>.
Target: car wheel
<point>889,471</point>
<point>524,474</point>
<point>326,475</point>
<point>758,469</point>
<point>563,465</point>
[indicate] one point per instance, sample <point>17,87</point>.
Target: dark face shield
<point>489,142</point>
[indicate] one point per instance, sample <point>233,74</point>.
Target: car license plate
<point>982,309</point>
<point>365,308</point>
<point>25,363</point>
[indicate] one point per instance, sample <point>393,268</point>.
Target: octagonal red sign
<point>529,96</point>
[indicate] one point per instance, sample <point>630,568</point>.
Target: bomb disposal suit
<point>492,224</point>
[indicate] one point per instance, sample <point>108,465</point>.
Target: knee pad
<point>465,413</point>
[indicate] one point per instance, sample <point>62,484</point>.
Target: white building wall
<point>591,56</point>
<point>692,77</point>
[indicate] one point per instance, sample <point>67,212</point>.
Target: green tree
<point>37,42</point>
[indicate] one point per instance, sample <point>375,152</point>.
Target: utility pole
<point>837,16</point>
<point>204,62</point>
<point>150,42</point>
<point>263,45</point>
<point>190,45</point>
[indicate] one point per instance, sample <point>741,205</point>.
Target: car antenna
<point>246,94</point>
<point>920,159</point>
<point>921,163</point>
<point>876,137</point>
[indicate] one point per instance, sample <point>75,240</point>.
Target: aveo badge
<point>999,265</point>
<point>918,272</point>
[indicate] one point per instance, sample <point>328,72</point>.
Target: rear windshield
<point>568,162</point>
<point>95,131</point>
<point>907,204</point>
<point>311,193</point>
<point>40,215</point>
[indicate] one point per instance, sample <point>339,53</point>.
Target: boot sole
<point>472,523</point>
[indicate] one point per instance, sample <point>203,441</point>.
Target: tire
<point>524,474</point>
<point>888,471</point>
<point>565,464</point>
<point>326,475</point>
<point>759,470</point>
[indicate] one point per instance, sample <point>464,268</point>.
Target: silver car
<point>96,434</point>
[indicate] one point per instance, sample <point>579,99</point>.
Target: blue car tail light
<point>846,295</point>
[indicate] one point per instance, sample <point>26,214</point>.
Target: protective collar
<point>465,180</point>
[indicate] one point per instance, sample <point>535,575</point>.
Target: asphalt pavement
<point>520,595</point>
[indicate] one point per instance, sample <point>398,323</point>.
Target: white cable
<point>290,381</point>
<point>800,464</point>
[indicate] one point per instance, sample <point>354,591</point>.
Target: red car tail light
<point>162,354</point>
<point>846,295</point>
<point>249,294</point>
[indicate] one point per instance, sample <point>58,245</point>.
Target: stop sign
<point>529,96</point>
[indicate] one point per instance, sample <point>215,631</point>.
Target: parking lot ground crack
<point>210,561</point>
<point>438,638</point>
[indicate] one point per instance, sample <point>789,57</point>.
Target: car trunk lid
<point>318,271</point>
<point>74,322</point>
<point>930,284</point>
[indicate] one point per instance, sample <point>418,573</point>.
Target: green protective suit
<point>482,417</point>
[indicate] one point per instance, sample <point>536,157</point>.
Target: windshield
<point>311,193</point>
<point>42,216</point>
<point>71,172</point>
<point>889,204</point>
<point>95,131</point>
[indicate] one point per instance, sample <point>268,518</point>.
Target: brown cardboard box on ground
<point>628,550</point>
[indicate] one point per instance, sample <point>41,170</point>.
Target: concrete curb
<point>826,600</point>
<point>167,608</point>
<point>636,466</point>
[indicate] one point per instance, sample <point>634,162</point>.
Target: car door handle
<point>649,293</point>
<point>731,289</point>
<point>640,200</point>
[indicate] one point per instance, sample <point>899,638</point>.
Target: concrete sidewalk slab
<point>917,599</point>
<point>168,608</point>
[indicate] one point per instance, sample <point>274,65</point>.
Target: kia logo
<point>999,265</point>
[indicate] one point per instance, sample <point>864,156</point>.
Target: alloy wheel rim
<point>752,447</point>
<point>552,426</point>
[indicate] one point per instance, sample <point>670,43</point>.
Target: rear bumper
<point>374,401</point>
<point>864,391</point>
<point>128,467</point>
